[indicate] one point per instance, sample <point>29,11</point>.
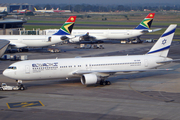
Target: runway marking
<point>24,104</point>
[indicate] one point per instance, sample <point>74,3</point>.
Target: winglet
<point>67,26</point>
<point>146,23</point>
<point>161,47</point>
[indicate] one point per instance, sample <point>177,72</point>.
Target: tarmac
<point>141,96</point>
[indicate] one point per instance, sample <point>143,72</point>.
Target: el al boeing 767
<point>23,41</point>
<point>92,70</point>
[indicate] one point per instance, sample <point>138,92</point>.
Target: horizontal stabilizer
<point>154,30</point>
<point>169,61</point>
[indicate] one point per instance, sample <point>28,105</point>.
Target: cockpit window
<point>12,67</point>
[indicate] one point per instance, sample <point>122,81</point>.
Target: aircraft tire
<point>108,83</point>
<point>22,88</point>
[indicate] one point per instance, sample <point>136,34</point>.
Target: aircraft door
<point>107,33</point>
<point>27,69</point>
<point>20,39</point>
<point>47,39</point>
<point>146,63</point>
<point>128,33</point>
<point>88,66</point>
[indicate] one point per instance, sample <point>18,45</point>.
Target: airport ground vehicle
<point>4,86</point>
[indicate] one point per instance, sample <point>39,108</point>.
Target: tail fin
<point>146,23</point>
<point>67,27</point>
<point>161,47</point>
<point>35,9</point>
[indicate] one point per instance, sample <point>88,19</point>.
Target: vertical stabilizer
<point>161,47</point>
<point>146,23</point>
<point>35,9</point>
<point>67,26</point>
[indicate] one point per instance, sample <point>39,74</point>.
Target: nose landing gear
<point>20,85</point>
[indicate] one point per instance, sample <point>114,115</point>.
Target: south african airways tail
<point>146,23</point>
<point>67,27</point>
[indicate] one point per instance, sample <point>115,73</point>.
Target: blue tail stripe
<point>168,33</point>
<point>61,32</point>
<point>141,27</point>
<point>159,50</point>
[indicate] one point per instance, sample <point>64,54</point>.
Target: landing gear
<point>102,82</point>
<point>20,85</point>
<point>22,50</point>
<point>138,39</point>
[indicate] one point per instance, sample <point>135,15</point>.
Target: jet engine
<point>88,79</point>
<point>64,38</point>
<point>75,39</point>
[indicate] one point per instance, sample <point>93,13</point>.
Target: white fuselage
<point>20,41</point>
<point>103,34</point>
<point>109,33</point>
<point>65,68</point>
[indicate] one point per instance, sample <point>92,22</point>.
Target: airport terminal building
<point>9,7</point>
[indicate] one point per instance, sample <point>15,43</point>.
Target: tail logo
<point>66,27</point>
<point>146,23</point>
<point>151,15</point>
<point>72,19</point>
<point>164,41</point>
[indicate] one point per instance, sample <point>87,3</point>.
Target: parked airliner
<point>23,41</point>
<point>106,34</point>
<point>92,70</point>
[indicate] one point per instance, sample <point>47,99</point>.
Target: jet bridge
<point>3,46</point>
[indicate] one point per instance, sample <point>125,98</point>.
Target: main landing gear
<point>103,82</point>
<point>20,85</point>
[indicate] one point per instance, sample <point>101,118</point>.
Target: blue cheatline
<point>159,50</point>
<point>168,33</point>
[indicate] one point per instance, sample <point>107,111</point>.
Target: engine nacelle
<point>88,79</point>
<point>74,40</point>
<point>64,38</point>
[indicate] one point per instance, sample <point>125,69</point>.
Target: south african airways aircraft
<point>106,34</point>
<point>23,41</point>
<point>103,34</point>
<point>92,70</point>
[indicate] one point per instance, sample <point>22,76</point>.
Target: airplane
<point>23,41</point>
<point>21,11</point>
<point>103,34</point>
<point>93,70</point>
<point>44,11</point>
<point>3,46</point>
<point>57,10</point>
<point>60,11</point>
<point>41,11</point>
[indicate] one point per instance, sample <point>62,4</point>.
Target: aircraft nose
<point>5,73</point>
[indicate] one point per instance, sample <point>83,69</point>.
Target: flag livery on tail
<point>146,23</point>
<point>161,48</point>
<point>67,27</point>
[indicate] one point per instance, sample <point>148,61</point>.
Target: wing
<point>87,37</point>
<point>18,45</point>
<point>111,72</point>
